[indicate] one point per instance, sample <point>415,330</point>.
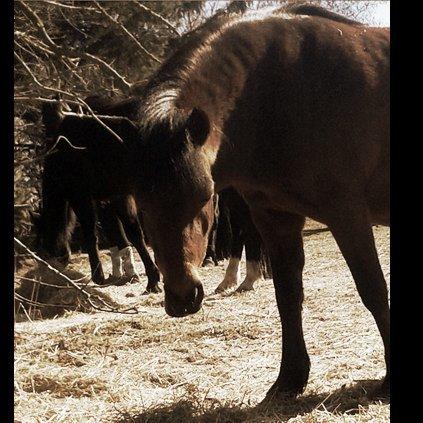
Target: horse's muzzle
<point>176,306</point>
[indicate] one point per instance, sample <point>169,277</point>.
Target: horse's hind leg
<point>113,229</point>
<point>128,215</point>
<point>232,273</point>
<point>253,256</point>
<point>353,233</point>
<point>211,246</point>
<point>281,232</point>
<point>210,257</point>
<point>85,212</point>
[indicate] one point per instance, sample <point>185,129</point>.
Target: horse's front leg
<point>281,233</point>
<point>129,218</point>
<point>232,274</point>
<point>86,213</point>
<point>254,256</point>
<point>351,227</point>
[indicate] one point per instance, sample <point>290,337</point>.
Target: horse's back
<point>313,118</point>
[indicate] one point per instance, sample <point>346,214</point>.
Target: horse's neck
<point>210,75</point>
<point>220,70</point>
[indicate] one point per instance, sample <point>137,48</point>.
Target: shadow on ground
<point>346,400</point>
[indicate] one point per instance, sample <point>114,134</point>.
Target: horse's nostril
<point>193,295</point>
<point>198,298</point>
<point>177,307</point>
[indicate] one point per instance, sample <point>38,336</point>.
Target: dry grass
<point>214,366</point>
<point>44,294</point>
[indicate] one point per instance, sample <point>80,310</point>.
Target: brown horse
<point>292,109</point>
<point>90,167</point>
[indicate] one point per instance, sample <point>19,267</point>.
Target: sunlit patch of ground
<point>215,366</point>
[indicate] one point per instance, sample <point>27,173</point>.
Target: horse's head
<point>176,193</point>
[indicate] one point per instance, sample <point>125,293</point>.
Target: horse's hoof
<point>292,383</point>
<point>134,279</point>
<point>100,281</point>
<point>153,276</point>
<point>154,289</point>
<point>221,289</point>
<point>208,262</point>
<point>245,288</point>
<point>281,393</point>
<point>117,280</point>
<point>225,285</point>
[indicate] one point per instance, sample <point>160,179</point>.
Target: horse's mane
<point>126,107</point>
<point>167,78</point>
<point>313,10</point>
<point>158,104</point>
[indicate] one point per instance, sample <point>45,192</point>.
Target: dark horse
<point>291,108</point>
<point>236,228</point>
<point>89,181</point>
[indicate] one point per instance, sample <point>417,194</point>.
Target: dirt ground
<point>215,366</point>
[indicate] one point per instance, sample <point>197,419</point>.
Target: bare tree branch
<point>124,30</point>
<point>38,22</point>
<point>56,90</point>
<point>36,100</point>
<point>66,6</point>
<point>157,16</point>
<point>114,72</point>
<point>90,297</point>
<point>62,53</point>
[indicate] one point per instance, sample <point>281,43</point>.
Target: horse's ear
<point>198,126</point>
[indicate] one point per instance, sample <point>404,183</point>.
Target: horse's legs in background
<point>253,255</point>
<point>281,232</point>
<point>223,230</point>
<point>115,233</point>
<point>211,249</point>
<point>85,211</point>
<point>211,246</point>
<point>353,233</point>
<point>232,274</point>
<point>127,213</point>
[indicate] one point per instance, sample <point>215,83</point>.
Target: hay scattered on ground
<point>45,294</point>
<point>215,366</point>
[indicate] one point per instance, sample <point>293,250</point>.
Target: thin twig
<point>58,91</point>
<point>22,206</point>
<point>130,36</point>
<point>62,53</point>
<point>88,296</point>
<point>67,6</point>
<point>157,16</point>
<point>34,78</point>
<point>32,302</point>
<point>24,309</point>
<point>50,151</point>
<point>105,117</point>
<point>36,21</point>
<point>111,70</point>
<point>49,284</point>
<point>26,99</point>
